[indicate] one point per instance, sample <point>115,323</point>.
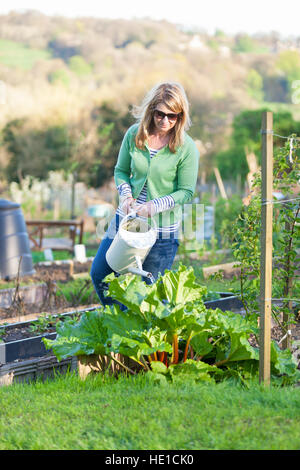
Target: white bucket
<point>48,254</point>
<point>79,252</point>
<point>131,245</point>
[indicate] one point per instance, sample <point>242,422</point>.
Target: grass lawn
<point>38,256</point>
<point>14,54</point>
<point>134,413</point>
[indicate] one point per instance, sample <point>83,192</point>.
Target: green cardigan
<point>166,173</point>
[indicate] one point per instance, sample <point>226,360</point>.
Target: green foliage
<point>286,236</point>
<point>111,129</point>
<point>226,212</point>
<point>246,136</point>
<point>43,323</point>
<point>101,55</point>
<point>79,66</point>
<point>15,54</point>
<point>289,63</point>
<point>60,76</point>
<point>167,330</point>
<point>245,43</point>
<point>255,84</point>
<point>35,152</point>
<point>78,292</point>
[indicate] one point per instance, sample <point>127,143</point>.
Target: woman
<point>155,174</point>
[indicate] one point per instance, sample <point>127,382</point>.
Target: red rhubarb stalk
<point>175,349</point>
<point>161,356</point>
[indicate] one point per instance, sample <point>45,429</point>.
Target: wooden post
<point>266,247</point>
<point>287,343</point>
<point>220,183</point>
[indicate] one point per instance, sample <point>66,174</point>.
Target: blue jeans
<point>159,258</point>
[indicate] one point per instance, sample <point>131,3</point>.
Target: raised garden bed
<point>227,301</point>
<point>23,356</point>
<point>32,369</point>
<point>45,290</point>
<point>60,270</point>
<point>22,340</point>
<point>31,294</point>
<point>22,344</point>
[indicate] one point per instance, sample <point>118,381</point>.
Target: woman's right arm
<point>122,169</point>
<point>122,175</point>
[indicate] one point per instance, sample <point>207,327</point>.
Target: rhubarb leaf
<point>179,287</point>
<point>87,336</point>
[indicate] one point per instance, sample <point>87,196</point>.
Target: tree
<point>111,129</point>
<point>79,66</point>
<point>34,151</point>
<point>255,84</point>
<point>289,63</point>
<point>246,137</point>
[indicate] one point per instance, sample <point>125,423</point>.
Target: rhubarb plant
<point>167,329</point>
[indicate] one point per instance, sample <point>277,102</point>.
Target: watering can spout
<point>141,272</point>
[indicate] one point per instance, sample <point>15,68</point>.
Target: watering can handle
<point>131,214</point>
<point>134,215</point>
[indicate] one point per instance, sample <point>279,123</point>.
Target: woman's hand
<point>127,205</point>
<point>145,210</point>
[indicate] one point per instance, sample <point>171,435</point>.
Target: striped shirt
<point>161,204</point>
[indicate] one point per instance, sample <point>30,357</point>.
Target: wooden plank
<point>266,248</point>
<point>54,243</point>
<point>227,268</point>
<point>54,223</point>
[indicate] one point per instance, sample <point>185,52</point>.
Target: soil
<point>31,330</point>
<point>48,274</point>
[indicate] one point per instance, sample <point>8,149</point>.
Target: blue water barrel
<point>14,242</point>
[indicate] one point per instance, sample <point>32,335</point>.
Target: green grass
<point>133,413</point>
<point>38,256</point>
<point>14,54</point>
<point>78,291</point>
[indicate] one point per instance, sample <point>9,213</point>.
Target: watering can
<point>131,245</point>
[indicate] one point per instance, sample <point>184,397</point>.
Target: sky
<point>231,16</point>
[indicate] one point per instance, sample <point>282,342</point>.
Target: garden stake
<point>266,248</point>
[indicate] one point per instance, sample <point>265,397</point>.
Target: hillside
<point>56,71</point>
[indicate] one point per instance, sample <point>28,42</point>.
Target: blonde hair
<point>173,96</point>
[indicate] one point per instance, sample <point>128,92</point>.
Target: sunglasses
<point>171,116</point>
